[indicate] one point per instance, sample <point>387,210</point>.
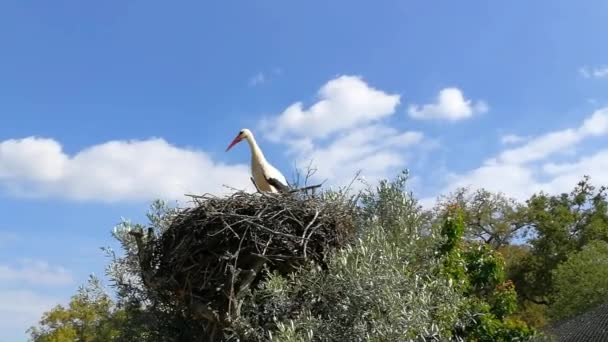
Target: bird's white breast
<point>261,170</point>
<point>258,177</point>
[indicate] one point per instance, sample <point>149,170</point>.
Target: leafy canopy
<point>581,282</point>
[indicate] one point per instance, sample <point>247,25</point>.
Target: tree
<point>90,316</point>
<point>514,256</point>
<point>561,225</point>
<point>479,274</point>
<point>581,282</point>
<point>492,218</point>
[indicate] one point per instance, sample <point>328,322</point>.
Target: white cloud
<point>516,180</point>
<point>345,102</point>
<point>540,147</point>
<point>555,142</point>
<point>344,132</point>
<point>257,79</point>
<point>525,170</point>
<point>35,272</point>
<point>512,139</point>
<point>374,150</point>
<point>451,105</point>
<point>32,159</point>
<point>596,124</point>
<point>594,72</point>
<point>113,171</point>
<point>566,175</point>
<point>19,310</point>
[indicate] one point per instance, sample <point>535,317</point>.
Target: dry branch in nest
<point>221,246</point>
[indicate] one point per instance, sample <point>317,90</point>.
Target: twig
<point>310,223</point>
<point>220,246</point>
<point>305,241</point>
<point>195,196</point>
<point>266,247</point>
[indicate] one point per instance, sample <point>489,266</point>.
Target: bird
<point>265,176</point>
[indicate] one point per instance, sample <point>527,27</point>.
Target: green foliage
<point>535,315</point>
<point>480,270</point>
<point>454,265</point>
<point>489,328</point>
<point>514,256</point>
<point>485,267</point>
<point>503,300</point>
<point>581,282</point>
<point>409,276</point>
<point>402,281</point>
<point>562,225</point>
<point>387,287</point>
<point>394,209</point>
<point>489,217</point>
<point>90,316</point>
<point>452,230</point>
<point>558,226</point>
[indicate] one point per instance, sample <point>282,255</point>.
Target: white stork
<point>266,177</point>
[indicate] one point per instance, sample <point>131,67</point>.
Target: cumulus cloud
<point>35,272</point>
<point>527,169</point>
<point>555,142</point>
<point>594,72</point>
<point>374,150</point>
<point>451,105</point>
<point>344,103</point>
<point>515,180</point>
<point>565,175</point>
<point>113,171</point>
<point>344,132</point>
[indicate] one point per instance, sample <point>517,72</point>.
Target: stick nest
<point>221,246</point>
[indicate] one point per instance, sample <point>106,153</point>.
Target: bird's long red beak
<point>234,142</point>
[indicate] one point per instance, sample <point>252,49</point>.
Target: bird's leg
<point>256,186</point>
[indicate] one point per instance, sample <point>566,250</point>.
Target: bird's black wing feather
<point>277,184</point>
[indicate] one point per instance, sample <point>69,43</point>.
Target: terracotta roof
<point>591,326</point>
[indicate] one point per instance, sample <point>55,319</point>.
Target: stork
<point>265,176</point>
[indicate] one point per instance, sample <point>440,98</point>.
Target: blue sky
<point>106,106</point>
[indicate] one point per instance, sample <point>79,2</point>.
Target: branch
<point>144,256</point>
<point>306,188</point>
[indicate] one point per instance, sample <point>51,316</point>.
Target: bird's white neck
<point>256,152</point>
